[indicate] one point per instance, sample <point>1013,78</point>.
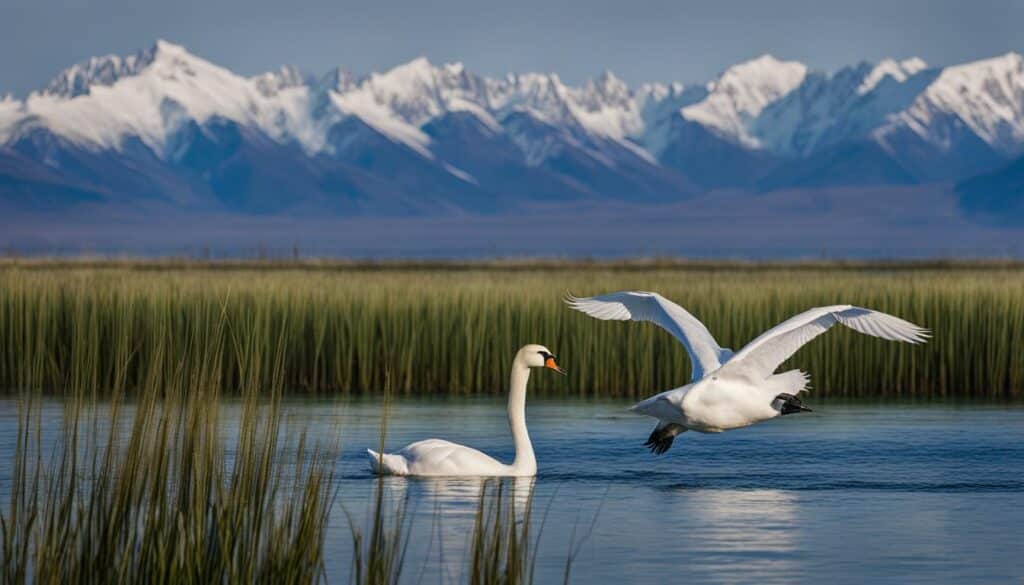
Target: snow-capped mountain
<point>986,97</point>
<point>826,109</point>
<point>736,99</point>
<point>969,119</point>
<point>149,97</point>
<point>169,127</point>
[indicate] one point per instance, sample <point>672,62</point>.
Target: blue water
<point>859,493</point>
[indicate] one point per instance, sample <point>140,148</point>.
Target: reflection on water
<point>464,492</point>
<point>752,532</point>
<point>450,506</point>
<point>444,514</point>
<point>849,494</point>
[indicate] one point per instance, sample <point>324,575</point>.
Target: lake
<point>851,493</point>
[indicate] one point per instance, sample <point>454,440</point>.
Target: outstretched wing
<point>705,353</point>
<point>759,358</point>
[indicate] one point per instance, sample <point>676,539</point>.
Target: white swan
<point>727,390</point>
<point>436,457</point>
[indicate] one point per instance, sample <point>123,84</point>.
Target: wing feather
<point>762,356</point>
<point>705,353</point>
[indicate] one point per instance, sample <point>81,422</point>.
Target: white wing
<point>705,353</point>
<point>759,358</point>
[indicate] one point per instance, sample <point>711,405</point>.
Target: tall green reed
<point>378,553</point>
<point>450,331</point>
<point>145,490</point>
<point>503,548</point>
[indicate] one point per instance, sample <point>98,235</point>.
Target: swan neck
<point>525,461</point>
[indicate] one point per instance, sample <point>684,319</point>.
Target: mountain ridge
<point>164,124</point>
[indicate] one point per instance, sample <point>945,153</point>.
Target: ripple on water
<point>848,494</point>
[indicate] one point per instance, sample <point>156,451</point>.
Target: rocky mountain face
<point>165,127</point>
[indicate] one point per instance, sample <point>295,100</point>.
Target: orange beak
<point>551,365</point>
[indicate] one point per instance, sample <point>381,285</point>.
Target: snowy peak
<point>898,71</point>
<point>659,99</point>
<point>338,79</point>
<point>543,95</point>
<point>606,107</point>
<point>152,95</point>
<point>987,96</point>
<point>846,105</point>
<point>606,89</point>
<point>764,77</point>
<point>103,71</point>
<point>418,91</point>
<point>739,95</point>
<point>764,109</point>
<point>107,70</point>
<point>399,102</point>
<point>273,82</point>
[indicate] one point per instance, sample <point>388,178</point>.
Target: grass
<point>502,549</point>
<point>452,330</point>
<point>145,491</point>
<point>378,554</point>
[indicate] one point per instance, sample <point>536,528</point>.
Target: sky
<point>639,40</point>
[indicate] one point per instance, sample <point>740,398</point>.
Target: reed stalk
<point>449,331</point>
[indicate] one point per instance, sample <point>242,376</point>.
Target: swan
<point>728,390</point>
<point>436,457</point>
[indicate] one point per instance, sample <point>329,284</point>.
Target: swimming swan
<point>436,457</point>
<point>727,390</point>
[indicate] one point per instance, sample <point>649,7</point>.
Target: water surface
<point>851,493</point>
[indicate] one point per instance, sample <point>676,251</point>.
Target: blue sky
<point>640,40</point>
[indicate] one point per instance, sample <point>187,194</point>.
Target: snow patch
<point>764,103</point>
<point>987,96</point>
<point>739,95</point>
<point>899,71</point>
<point>461,174</point>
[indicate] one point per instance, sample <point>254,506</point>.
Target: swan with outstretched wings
<point>731,390</point>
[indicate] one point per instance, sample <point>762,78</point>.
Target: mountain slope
<point>845,106</point>
<point>968,120</point>
<point>169,128</point>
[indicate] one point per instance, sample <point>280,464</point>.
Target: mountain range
<point>167,130</point>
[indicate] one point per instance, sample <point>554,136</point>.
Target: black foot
<point>789,404</point>
<point>662,437</point>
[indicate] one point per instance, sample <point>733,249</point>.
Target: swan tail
<point>387,464</point>
<point>662,436</point>
<point>791,382</point>
<point>785,387</point>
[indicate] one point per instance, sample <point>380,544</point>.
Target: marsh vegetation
<point>444,331</point>
<point>141,480</point>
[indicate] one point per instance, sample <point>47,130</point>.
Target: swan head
<point>538,356</point>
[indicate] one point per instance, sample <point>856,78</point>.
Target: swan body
<point>732,390</point>
<point>437,457</point>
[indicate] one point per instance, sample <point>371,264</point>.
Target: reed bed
<point>146,491</point>
<point>452,331</point>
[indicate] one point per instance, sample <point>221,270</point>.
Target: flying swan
<point>437,457</point>
<point>728,390</point>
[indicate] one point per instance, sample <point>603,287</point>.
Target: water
<point>847,494</point>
